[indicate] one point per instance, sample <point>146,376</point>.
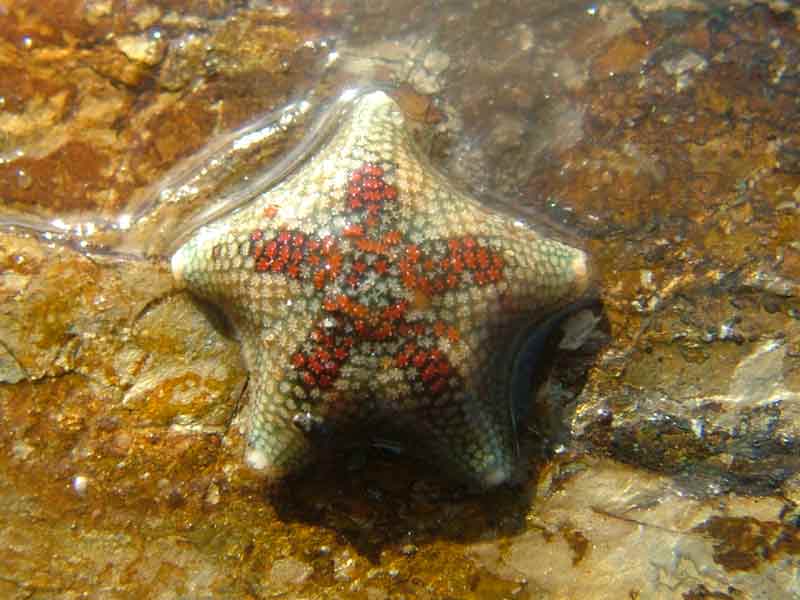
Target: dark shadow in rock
<point>558,381</point>
<point>216,317</point>
<point>378,501</point>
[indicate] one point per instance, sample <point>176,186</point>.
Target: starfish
<point>370,291</point>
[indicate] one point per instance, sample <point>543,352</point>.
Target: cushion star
<point>369,291</point>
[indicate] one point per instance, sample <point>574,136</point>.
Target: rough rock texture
<point>662,453</point>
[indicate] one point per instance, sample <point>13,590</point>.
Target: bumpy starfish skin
<point>367,289</point>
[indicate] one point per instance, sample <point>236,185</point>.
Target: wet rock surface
<point>661,456</point>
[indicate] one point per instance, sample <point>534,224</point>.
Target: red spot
<point>439,328</point>
<point>298,360</point>
<point>438,386</point>
<point>424,285</point>
<point>392,238</point>
<point>270,211</point>
<point>429,373</point>
<point>328,244</point>
<point>343,302</point>
<point>384,331</point>
<point>381,267</point>
<point>483,258</point>
<point>359,310</point>
<point>329,304</point>
<point>470,259</point>
<point>413,253</point>
<point>256,235</point>
<point>334,265</point>
<point>353,230</point>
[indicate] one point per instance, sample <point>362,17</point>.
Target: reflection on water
<point>88,158</point>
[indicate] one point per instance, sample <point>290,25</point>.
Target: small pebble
<point>80,484</point>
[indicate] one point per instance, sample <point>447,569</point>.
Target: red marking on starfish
<point>353,230</point>
<point>381,266</point>
<point>425,269</point>
<point>392,238</point>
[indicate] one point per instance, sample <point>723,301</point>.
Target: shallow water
<point>347,46</point>
<point>661,458</point>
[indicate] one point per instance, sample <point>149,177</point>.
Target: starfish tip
<point>581,272</point>
<point>178,266</point>
<point>495,476</point>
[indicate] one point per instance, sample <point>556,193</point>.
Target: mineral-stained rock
<point>662,457</point>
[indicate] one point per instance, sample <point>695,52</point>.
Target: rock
<point>662,459</point>
<point>10,369</point>
<point>289,571</point>
<point>145,48</point>
<point>436,62</point>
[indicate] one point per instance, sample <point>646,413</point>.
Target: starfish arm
<point>276,442</point>
<point>471,440</point>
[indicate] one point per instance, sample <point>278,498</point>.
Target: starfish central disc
<point>367,289</point>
